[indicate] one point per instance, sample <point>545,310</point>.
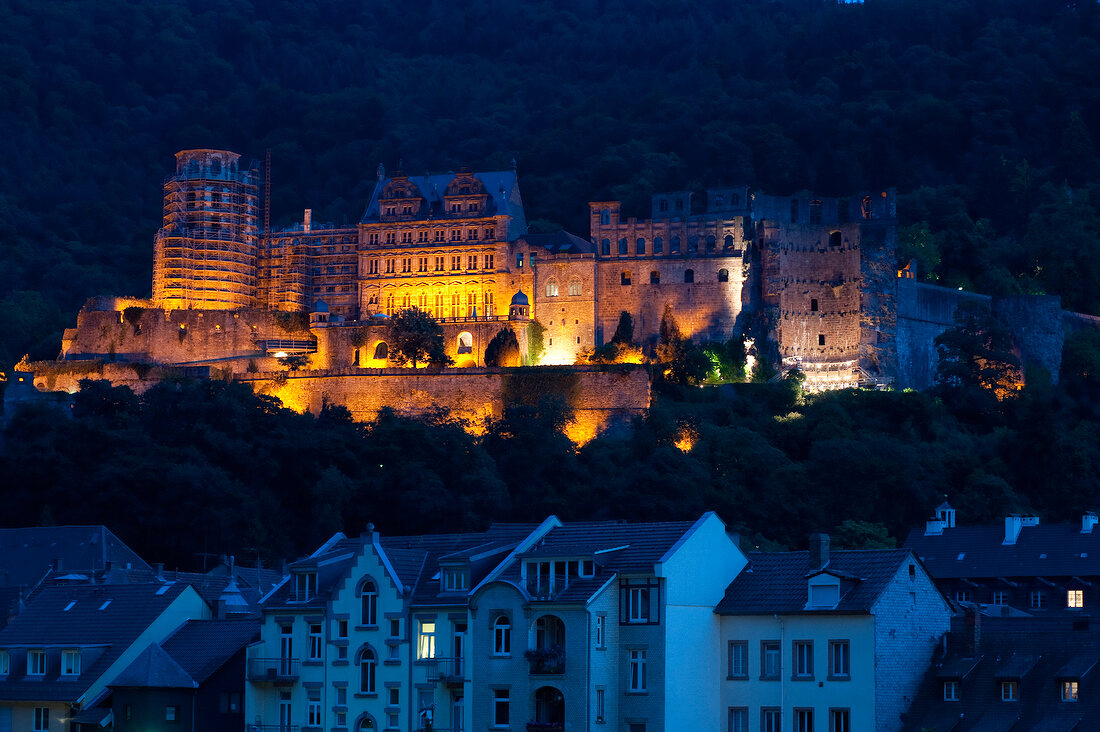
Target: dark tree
<point>503,350</point>
<point>415,337</point>
<point>624,332</point>
<point>976,353</point>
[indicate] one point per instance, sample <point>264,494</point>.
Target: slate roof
<point>561,242</point>
<point>26,554</point>
<point>153,668</point>
<point>1052,644</point>
<point>616,548</point>
<point>1046,550</point>
<point>201,647</point>
<point>776,582</point>
<point>502,187</point>
<point>105,629</point>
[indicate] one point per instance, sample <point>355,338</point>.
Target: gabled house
<point>827,640</point>
<point>1022,567</point>
<point>194,678</point>
<point>58,656</point>
<point>1011,673</point>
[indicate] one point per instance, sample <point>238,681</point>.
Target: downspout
<point>782,676</point>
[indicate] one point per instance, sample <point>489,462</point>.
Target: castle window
<point>473,206</point>
<point>865,207</point>
<point>794,210</point>
<point>423,264</point>
<point>456,302</point>
<point>821,339</point>
<point>834,239</point>
<point>519,260</point>
<point>439,264</point>
<point>456,263</point>
<point>456,208</point>
<point>605,217</point>
<point>674,245</point>
<point>723,275</point>
<point>663,205</point>
<point>679,204</point>
<point>624,278</point>
<point>718,201</point>
<point>471,234</point>
<point>488,234</point>
<point>654,277</point>
<point>815,211</point>
<point>605,247</point>
<point>489,261</point>
<point>574,287</point>
<point>215,167</point>
<point>711,242</point>
<point>552,288</point>
<point>623,247</point>
<point>658,245</point>
<point>639,246</point>
<point>471,261</point>
<point>689,276</point>
<point>728,241</point>
<point>693,244</point>
<point>439,235</point>
<point>456,234</point>
<point>813,305</point>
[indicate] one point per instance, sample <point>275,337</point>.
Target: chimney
<point>934,527</point>
<point>307,222</point>
<point>159,568</point>
<point>1088,521</point>
<point>973,631</point>
<point>1013,524</point>
<point>819,550</point>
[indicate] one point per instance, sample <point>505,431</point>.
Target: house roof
<point>776,582</point>
<point>201,647</point>
<point>1031,651</point>
<point>1045,550</point>
<point>27,554</point>
<point>616,548</point>
<point>153,668</point>
<point>561,242</point>
<point>502,187</point>
<point>104,619</point>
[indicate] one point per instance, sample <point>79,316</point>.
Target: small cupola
<point>520,307</point>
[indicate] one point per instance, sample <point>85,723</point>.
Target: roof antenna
<point>513,165</point>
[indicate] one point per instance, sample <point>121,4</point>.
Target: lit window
<point>1075,598</point>
<point>951,691</point>
<point>1069,691</point>
<point>551,289</point>
<point>804,659</point>
<point>502,636</point>
<point>575,288</point>
<point>500,708</point>
<point>70,663</point>
<point>1010,691</point>
<point>739,659</point>
<point>840,654</point>
<point>36,663</point>
<point>425,642</point>
<point>637,671</point>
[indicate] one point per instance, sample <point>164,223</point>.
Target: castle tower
<point>204,255</point>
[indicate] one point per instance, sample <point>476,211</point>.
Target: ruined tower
<point>204,255</point>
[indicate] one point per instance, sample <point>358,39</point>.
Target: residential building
<point>548,626</point>
<point>1000,673</point>
<point>1020,567</point>
<point>58,656</point>
<point>835,641</point>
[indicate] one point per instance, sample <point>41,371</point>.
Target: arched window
<point>834,239</point>
<point>605,247</point>
<point>639,246</point>
<point>382,351</point>
<point>368,594</point>
<point>723,275</point>
<point>658,245</point>
<point>623,247</point>
<point>549,706</point>
<point>465,343</point>
<point>689,275</point>
<point>368,665</point>
<point>815,211</point>
<point>711,242</point>
<point>216,166</point>
<point>552,288</point>
<point>693,244</point>
<point>728,242</point>
<point>574,287</point>
<point>605,217</point>
<point>866,207</point>
<point>365,724</point>
<point>674,245</point>
<point>502,636</point>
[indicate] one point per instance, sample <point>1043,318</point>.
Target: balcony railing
<point>546,660</point>
<point>273,728</point>
<point>447,670</point>
<point>545,726</point>
<point>543,588</point>
<point>275,670</point>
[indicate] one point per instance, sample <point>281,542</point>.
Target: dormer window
<point>1069,690</point>
<point>305,586</point>
<point>36,663</point>
<point>70,663</point>
<point>455,579</point>
<point>823,592</point>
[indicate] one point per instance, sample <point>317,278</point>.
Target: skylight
<point>70,605</point>
<point>104,605</point>
<point>960,557</point>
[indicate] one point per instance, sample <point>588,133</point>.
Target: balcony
<point>447,670</point>
<point>545,726</point>
<point>273,728</point>
<point>546,660</point>
<point>543,588</point>
<point>273,670</point>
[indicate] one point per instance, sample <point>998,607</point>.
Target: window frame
<point>802,658</point>
<point>36,662</point>
<point>368,588</point>
<point>803,719</point>
<point>68,655</point>
<point>771,649</point>
<point>367,662</point>
<point>737,659</point>
<point>426,640</point>
<point>738,719</point>
<point>1010,690</point>
<point>41,720</point>
<point>840,650</point>
<point>1075,599</point>
<point>637,662</point>
<point>951,690</point>
<point>501,703</point>
<point>840,719</point>
<point>771,719</point>
<point>1069,690</point>
<point>316,641</point>
<point>502,635</point>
